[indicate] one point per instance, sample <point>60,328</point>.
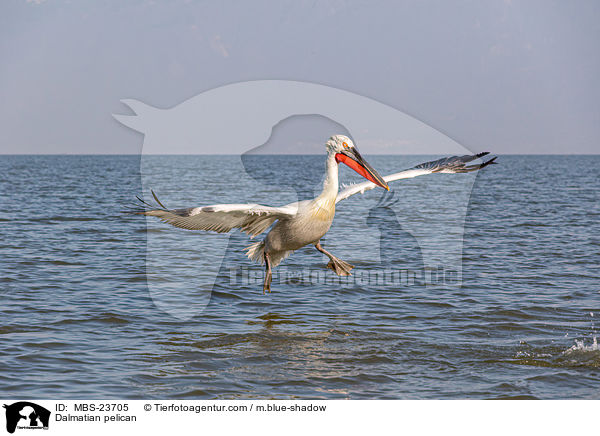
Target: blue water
<point>88,309</point>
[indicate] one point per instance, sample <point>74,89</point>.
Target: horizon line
<point>280,154</point>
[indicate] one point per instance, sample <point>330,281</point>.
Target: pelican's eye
<point>345,145</point>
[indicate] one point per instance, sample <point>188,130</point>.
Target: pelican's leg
<point>340,267</point>
<point>267,285</point>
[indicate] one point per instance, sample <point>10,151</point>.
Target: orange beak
<point>354,160</point>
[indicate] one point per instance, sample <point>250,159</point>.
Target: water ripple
<point>77,318</point>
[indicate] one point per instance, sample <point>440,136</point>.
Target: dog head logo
<point>27,415</point>
<point>238,118</point>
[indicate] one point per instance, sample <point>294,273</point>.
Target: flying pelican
<point>303,222</point>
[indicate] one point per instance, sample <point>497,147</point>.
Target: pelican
<point>304,222</point>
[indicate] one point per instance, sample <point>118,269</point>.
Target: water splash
<point>581,347</point>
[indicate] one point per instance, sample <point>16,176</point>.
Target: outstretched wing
<point>453,164</point>
<point>250,218</point>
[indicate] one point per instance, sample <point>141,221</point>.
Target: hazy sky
<point>508,76</point>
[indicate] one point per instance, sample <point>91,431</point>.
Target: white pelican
<point>304,222</point>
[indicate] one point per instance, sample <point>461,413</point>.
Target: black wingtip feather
<point>144,202</point>
<point>133,208</point>
<point>157,200</point>
<point>489,162</point>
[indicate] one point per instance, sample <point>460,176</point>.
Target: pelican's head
<point>345,151</point>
